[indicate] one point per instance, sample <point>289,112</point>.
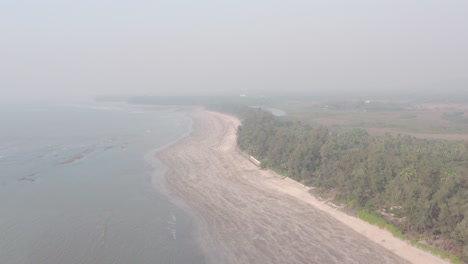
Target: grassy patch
<point>346,202</point>
<point>434,251</point>
<point>380,222</point>
<point>455,259</point>
<point>278,171</point>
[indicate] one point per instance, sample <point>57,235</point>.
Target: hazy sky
<point>83,47</point>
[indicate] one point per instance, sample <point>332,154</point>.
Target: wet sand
<point>255,216</point>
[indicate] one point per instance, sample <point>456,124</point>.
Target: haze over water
<point>75,187</point>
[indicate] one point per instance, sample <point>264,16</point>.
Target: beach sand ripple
<point>254,216</point>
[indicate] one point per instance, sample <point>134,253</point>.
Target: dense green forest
<point>418,185</point>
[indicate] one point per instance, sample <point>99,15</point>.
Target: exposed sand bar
<point>255,216</point>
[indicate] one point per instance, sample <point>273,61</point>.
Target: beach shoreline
<point>250,215</point>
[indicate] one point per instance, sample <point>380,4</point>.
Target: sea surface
<point>77,186</point>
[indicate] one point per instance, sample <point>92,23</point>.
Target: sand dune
<point>254,216</point>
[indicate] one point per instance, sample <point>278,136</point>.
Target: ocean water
<point>75,187</point>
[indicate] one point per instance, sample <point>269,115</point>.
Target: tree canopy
<point>419,185</point>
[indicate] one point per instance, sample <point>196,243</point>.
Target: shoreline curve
<point>250,215</point>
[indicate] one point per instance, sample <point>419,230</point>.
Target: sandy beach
<point>255,216</point>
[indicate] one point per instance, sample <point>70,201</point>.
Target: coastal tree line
<point>418,185</point>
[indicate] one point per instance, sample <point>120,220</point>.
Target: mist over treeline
<point>256,97</point>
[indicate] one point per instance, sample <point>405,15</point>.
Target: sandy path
<point>254,216</point>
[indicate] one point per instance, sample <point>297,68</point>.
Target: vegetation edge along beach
<point>228,191</point>
<point>412,187</point>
